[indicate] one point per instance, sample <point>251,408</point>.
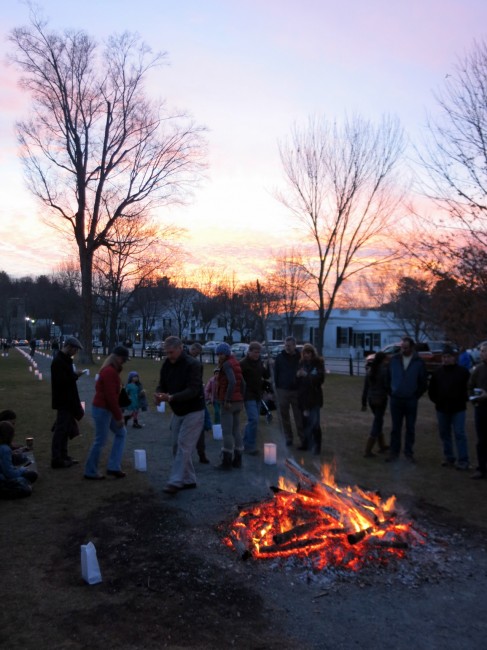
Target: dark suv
<point>430,352</point>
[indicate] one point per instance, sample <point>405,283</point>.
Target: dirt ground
<point>169,582</point>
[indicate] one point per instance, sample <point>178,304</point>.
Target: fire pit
<point>327,525</point>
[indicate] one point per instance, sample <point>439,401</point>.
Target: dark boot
<point>203,458</point>
<point>368,448</point>
<point>237,458</point>
<point>226,463</point>
<point>126,418</point>
<point>382,444</point>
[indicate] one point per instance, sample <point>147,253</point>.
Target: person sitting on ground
<point>15,482</point>
<point>18,456</point>
<point>135,392</point>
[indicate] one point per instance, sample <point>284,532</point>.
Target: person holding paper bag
<point>108,416</point>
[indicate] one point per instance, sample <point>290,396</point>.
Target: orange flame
<point>331,526</point>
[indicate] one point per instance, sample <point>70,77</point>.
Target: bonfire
<point>328,525</point>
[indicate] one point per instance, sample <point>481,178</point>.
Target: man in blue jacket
<point>408,380</point>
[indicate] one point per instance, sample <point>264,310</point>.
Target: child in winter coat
<point>15,482</point>
<point>137,395</point>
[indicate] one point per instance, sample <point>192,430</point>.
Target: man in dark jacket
<point>407,380</point>
<point>253,372</point>
<point>448,391</point>
<point>65,400</point>
<point>181,387</point>
<point>286,382</point>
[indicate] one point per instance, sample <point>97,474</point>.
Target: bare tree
<point>289,283</point>
<point>136,251</point>
<point>456,151</point>
<point>96,150</point>
<point>341,186</point>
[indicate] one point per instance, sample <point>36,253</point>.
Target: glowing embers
<point>328,525</point>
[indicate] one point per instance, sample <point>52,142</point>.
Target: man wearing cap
<point>448,390</point>
<point>65,400</point>
<point>181,387</point>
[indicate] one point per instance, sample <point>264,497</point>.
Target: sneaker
<point>136,425</point>
<point>463,465</point>
<point>448,463</point>
<point>117,473</point>
<point>479,475</point>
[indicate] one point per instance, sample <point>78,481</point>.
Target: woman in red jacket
<point>108,416</point>
<point>231,389</point>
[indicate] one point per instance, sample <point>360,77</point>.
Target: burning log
<point>355,502</point>
<point>384,543</point>
<point>355,538</point>
<point>295,533</point>
<point>327,525</point>
<point>298,544</point>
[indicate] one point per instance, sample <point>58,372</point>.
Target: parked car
<point>210,346</point>
<point>22,342</point>
<point>154,349</point>
<point>239,350</point>
<point>429,351</point>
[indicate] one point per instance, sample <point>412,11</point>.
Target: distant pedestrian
<point>477,387</point>
<point>136,393</point>
<point>448,391</point>
<point>465,359</point>
<point>408,381</point>
<point>108,416</point>
<point>375,394</point>
<point>32,346</point>
<point>286,382</point>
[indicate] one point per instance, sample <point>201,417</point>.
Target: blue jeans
<point>312,430</point>
<point>403,409</point>
<point>185,430</point>
<point>455,421</point>
<point>104,423</point>
<point>250,431</point>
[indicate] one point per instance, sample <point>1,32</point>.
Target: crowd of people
<point>237,387</point>
<point>402,381</point>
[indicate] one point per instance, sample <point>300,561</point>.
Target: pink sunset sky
<point>248,70</point>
